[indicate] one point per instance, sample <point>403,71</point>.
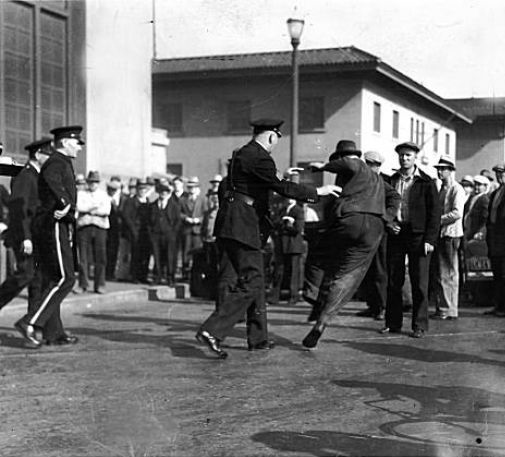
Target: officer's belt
<point>234,195</point>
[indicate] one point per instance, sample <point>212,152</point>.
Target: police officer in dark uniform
<point>241,227</point>
<point>23,204</point>
<point>54,224</point>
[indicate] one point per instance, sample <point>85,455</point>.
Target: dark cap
<point>408,145</point>
<point>345,148</point>
<point>499,168</point>
<point>43,146</point>
<point>265,125</point>
<point>445,162</point>
<point>70,131</point>
<point>150,181</point>
<point>93,176</point>
<point>162,187</point>
<point>142,183</point>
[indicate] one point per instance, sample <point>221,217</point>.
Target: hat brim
<point>445,166</point>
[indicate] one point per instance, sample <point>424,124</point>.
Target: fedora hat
<point>93,176</point>
<point>345,148</point>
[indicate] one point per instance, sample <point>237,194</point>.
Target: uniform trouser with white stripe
<point>57,266</point>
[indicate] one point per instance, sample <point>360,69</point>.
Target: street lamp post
<point>295,28</point>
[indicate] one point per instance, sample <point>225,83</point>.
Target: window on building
<point>239,116</point>
<point>417,131</point>
<point>33,53</point>
<point>421,143</point>
<point>447,144</point>
<point>170,117</point>
<point>311,114</point>
<point>396,124</point>
<point>435,140</point>
<point>376,117</point>
<point>411,129</point>
<point>174,169</point>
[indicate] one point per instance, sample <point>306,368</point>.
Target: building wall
<point>119,50</point>
<point>480,146</point>
<point>385,142</point>
<point>205,145</point>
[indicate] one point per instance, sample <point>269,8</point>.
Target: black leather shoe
<point>418,333</point>
<point>263,346</point>
<point>310,341</point>
<point>379,316</point>
<point>28,333</point>
<point>65,339</point>
<point>389,330</point>
<point>213,343</point>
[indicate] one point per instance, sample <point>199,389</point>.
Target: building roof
<point>345,59</point>
<point>487,107</point>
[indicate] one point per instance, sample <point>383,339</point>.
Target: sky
<point>453,47</point>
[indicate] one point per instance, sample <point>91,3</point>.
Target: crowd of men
<point>368,230</point>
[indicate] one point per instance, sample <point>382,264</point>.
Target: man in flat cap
<point>496,241</point>
<point>55,224</point>
<point>136,219</point>
<point>241,226</point>
<point>414,235</point>
<point>93,206</point>
<point>23,204</point>
<point>375,282</point>
<point>445,261</point>
<point>163,225</point>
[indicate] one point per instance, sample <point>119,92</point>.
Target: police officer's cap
<point>265,125</point>
<point>407,146</point>
<point>69,131</point>
<point>43,146</point>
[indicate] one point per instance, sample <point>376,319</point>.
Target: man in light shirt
<point>93,206</point>
<point>446,263</point>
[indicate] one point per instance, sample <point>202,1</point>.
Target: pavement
<point>138,384</point>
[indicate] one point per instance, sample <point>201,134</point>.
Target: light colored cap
<point>446,162</point>
<point>216,178</point>
<point>80,179</point>
<point>479,179</point>
<point>374,157</point>
<point>467,179</point>
<point>193,181</point>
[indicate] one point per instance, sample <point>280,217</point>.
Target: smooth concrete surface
<point>138,384</point>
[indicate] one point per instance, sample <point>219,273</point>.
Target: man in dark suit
<point>164,223</point>
<point>135,218</point>
<point>414,235</point>
<point>241,226</point>
<point>193,207</point>
<point>291,247</point>
<point>23,204</point>
<point>496,241</point>
<point>354,228</point>
<point>54,227</point>
<point>117,200</point>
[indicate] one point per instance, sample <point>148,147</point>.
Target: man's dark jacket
<point>424,206</point>
<point>253,173</point>
<point>165,221</point>
<point>495,236</point>
<point>23,204</point>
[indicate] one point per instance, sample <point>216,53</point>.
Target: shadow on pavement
<point>322,443</point>
<point>416,353</point>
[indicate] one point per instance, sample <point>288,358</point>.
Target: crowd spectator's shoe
<point>439,316</point>
<point>213,343</point>
<point>100,291</point>
<point>63,340</point>
<point>417,333</point>
<point>379,316</point>
<point>293,301</point>
<point>490,312</point>
<point>263,346</point>
<point>80,290</point>
<point>28,333</point>
<point>365,313</point>
<point>386,330</point>
<point>499,313</point>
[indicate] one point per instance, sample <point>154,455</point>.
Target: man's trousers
<point>245,296</point>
